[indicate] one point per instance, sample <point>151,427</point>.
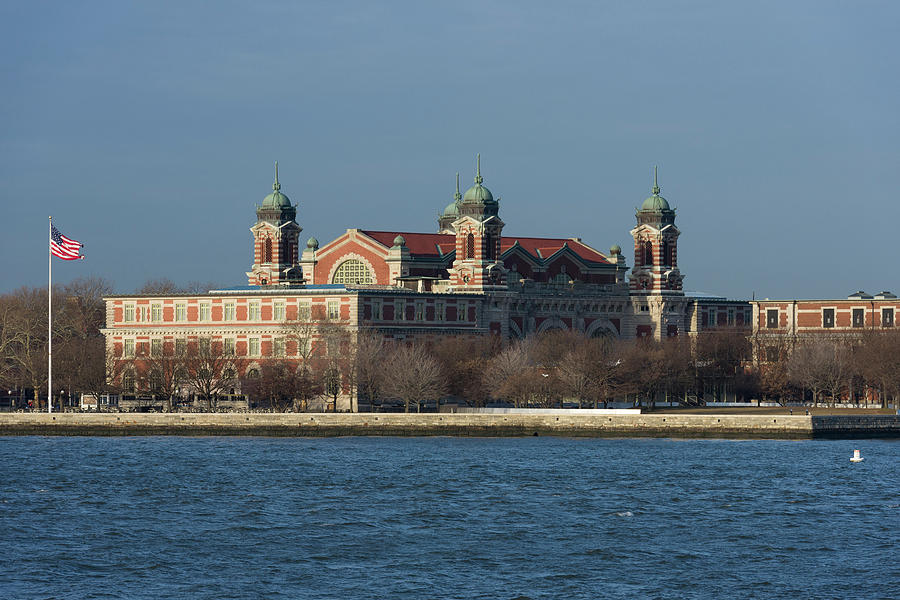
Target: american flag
<point>63,247</point>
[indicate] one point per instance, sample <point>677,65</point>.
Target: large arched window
<point>648,253</point>
<point>353,272</point>
<point>470,246</point>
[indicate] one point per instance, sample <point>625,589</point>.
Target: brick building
<point>469,278</point>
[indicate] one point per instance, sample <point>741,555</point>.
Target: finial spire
<point>457,196</point>
<point>655,182</point>
<point>276,186</point>
<point>478,177</point>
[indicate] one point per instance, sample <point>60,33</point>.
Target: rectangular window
<point>420,311</point>
<point>228,346</point>
<point>253,346</point>
<point>156,348</point>
<point>748,315</point>
<point>129,348</point>
<point>704,319</point>
<point>887,317</point>
<point>859,317</point>
<point>181,312</point>
<point>376,310</point>
<point>143,314</point>
<point>156,312</point>
<point>440,311</point>
<point>205,311</point>
<point>333,310</point>
<point>731,316</point>
<point>303,311</point>
<point>278,310</point>
<point>828,318</point>
<point>278,346</point>
<point>253,312</point>
<point>180,347</point>
<point>229,311</point>
<point>772,318</point>
<point>303,347</point>
<point>129,313</point>
<point>400,310</point>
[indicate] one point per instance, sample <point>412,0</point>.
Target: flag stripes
<point>63,247</point>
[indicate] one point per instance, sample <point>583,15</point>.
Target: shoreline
<point>449,424</point>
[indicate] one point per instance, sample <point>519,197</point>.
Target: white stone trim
<point>353,256</point>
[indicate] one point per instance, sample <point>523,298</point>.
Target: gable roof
<point>440,244</point>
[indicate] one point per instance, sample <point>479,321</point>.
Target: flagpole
<point>50,320</point>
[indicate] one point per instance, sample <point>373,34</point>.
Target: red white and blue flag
<point>63,247</point>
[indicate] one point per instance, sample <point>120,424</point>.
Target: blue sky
<point>149,130</point>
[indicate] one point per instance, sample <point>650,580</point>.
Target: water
<point>447,518</point>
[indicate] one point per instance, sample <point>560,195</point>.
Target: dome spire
<point>276,186</point>
<point>457,196</point>
<point>478,177</point>
<point>655,182</point>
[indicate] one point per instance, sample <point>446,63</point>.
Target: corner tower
<point>656,248</point>
<point>275,238</point>
<point>478,228</point>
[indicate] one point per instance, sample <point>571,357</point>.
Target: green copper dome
<point>276,199</point>
<point>478,193</point>
<point>655,202</point>
<point>452,210</point>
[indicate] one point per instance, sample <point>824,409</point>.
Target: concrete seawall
<point>431,424</point>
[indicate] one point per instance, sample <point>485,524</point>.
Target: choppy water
<point>355,518</point>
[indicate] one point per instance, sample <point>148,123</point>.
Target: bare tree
<point>511,373</point>
<point>413,375</point>
<point>811,367</point>
<point>208,368</point>
<point>167,371</point>
<point>462,360</point>
<point>368,367</point>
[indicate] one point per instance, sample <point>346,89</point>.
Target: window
<point>278,347</point>
<point>470,246</point>
<point>400,310</point>
<point>561,278</point>
<point>267,250</point>
<point>333,310</point>
<point>128,380</point>
<point>156,312</point>
<point>420,311</point>
<point>513,277</point>
<point>156,348</point>
<point>129,313</point>
<point>144,314</point>
<point>666,251</point>
<point>352,272</point>
<point>229,312</point>
<point>648,253</point>
<point>129,348</point>
<point>181,312</point>
<point>253,311</point>
<point>731,316</point>
<point>887,317</point>
<point>376,310</point>
<point>827,317</point>
<point>440,311</point>
<point>254,346</point>
<point>278,310</point>
<point>704,319</point>
<point>748,315</point>
<point>772,318</point>
<point>180,347</point>
<point>205,311</point>
<point>859,317</point>
<point>228,346</point>
<point>303,311</point>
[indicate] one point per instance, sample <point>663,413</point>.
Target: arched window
<point>352,271</point>
<point>267,250</point>
<point>648,253</point>
<point>666,253</point>
<point>128,381</point>
<point>470,246</point>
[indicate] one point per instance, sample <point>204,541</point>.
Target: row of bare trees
<point>856,369</point>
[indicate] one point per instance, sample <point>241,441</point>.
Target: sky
<point>149,130</point>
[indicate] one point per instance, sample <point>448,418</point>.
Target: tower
<point>478,228</point>
<point>451,212</point>
<point>655,248</point>
<point>275,240</point>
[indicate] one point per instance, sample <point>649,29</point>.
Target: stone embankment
<point>433,424</point>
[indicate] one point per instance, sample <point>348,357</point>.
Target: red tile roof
<point>439,244</point>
